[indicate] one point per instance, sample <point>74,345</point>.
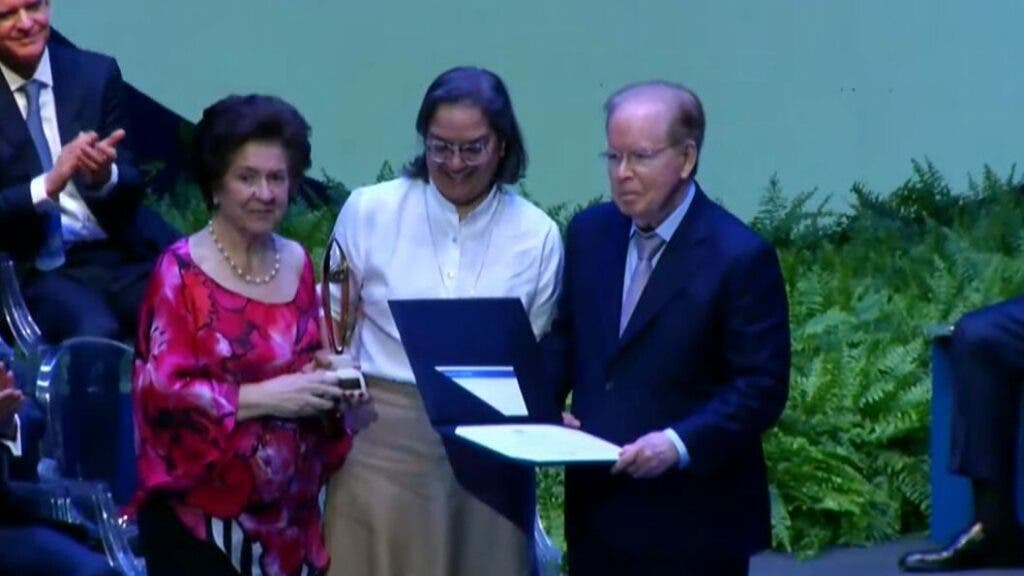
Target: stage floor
<point>878,560</point>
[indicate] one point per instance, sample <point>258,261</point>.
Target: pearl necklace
<point>247,278</point>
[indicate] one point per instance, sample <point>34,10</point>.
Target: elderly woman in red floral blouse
<point>240,419</point>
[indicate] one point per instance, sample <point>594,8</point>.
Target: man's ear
<point>689,159</point>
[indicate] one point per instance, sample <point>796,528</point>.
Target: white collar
<point>44,74</point>
<point>667,228</point>
<point>442,205</point>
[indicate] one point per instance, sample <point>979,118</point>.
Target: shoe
<point>974,548</point>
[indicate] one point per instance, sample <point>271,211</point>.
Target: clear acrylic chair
<point>27,336</point>
<point>87,463</point>
<point>87,508</point>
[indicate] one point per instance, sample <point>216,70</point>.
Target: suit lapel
<point>614,244</point>
<point>14,132</point>
<point>66,93</point>
<point>677,266</point>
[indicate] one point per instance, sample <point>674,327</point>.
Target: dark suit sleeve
<point>136,227</point>
<point>556,345</point>
<point>15,181</point>
<point>755,339</point>
<point>15,204</point>
<point>114,115</point>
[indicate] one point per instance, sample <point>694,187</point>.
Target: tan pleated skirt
<point>396,509</point>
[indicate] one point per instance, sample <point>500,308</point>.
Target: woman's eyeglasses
<point>472,153</point>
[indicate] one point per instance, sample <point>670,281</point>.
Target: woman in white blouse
<point>450,227</point>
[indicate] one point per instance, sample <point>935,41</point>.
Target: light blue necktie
<point>51,254</point>
<point>648,244</point>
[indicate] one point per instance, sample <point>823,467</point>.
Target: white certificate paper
<point>495,385</point>
<point>541,444</point>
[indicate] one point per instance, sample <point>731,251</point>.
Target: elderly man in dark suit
<point>673,336</point>
<point>69,198</point>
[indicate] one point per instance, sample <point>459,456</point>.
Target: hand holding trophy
<point>336,280</point>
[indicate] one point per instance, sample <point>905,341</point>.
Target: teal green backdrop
<point>823,93</point>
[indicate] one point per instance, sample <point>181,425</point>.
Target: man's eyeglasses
<point>32,9</point>
<point>640,158</point>
<point>472,153</point>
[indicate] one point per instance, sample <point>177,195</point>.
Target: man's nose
<point>623,169</point>
<point>22,19</point>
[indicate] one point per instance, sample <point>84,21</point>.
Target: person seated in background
<point>30,544</point>
<point>987,361</point>
<point>240,422</point>
<point>69,196</point>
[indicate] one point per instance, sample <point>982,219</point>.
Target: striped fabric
<point>244,552</point>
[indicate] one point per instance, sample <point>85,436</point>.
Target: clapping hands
<point>87,157</point>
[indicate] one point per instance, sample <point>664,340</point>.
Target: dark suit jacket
<point>88,91</point>
<point>706,352</point>
<point>29,539</point>
<point>12,509</point>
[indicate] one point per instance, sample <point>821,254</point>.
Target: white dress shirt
<point>665,230</point>
<point>14,444</point>
<point>78,224</point>
<point>403,239</point>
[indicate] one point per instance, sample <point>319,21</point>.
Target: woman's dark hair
<point>230,123</point>
<point>485,90</point>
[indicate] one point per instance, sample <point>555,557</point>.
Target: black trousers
<point>987,360</point>
<point>589,555</point>
<point>171,550</point>
<point>610,565</point>
<point>96,292</point>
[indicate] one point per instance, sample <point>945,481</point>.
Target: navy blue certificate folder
<point>471,332</point>
<point>478,369</point>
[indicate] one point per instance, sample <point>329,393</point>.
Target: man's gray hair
<point>688,122</point>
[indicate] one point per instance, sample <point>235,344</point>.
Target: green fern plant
<point>848,460</point>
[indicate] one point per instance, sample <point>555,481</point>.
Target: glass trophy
<point>336,290</point>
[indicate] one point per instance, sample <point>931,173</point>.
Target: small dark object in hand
<point>353,384</point>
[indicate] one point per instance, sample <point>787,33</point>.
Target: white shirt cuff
<point>109,185</point>
<point>37,188</point>
<point>15,444</point>
<point>684,456</point>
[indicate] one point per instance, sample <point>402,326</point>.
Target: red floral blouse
<point>198,343</point>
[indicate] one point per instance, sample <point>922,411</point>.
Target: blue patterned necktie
<point>51,254</point>
<point>648,244</point>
